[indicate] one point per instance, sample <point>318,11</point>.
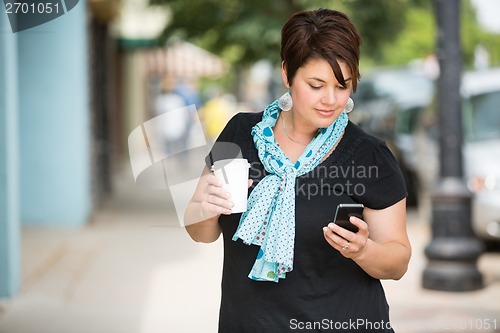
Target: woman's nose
<point>329,97</point>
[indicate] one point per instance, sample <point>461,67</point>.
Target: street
<point>133,269</point>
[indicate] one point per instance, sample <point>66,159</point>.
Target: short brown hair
<point>321,33</point>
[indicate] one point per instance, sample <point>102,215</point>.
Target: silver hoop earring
<point>349,105</point>
<point>285,102</point>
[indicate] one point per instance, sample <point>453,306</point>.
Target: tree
<point>379,24</point>
<point>243,32</point>
<point>416,40</point>
<point>393,32</point>
<point>239,31</point>
<point>418,37</point>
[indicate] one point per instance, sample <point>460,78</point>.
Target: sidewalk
<point>133,270</point>
<point>417,310</point>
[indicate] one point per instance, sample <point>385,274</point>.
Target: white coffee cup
<point>234,174</point>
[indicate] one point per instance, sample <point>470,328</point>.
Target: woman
<point>286,266</point>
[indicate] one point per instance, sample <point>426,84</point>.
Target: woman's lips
<point>325,113</point>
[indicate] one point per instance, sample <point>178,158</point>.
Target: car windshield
<point>400,86</point>
<point>482,117</point>
<point>404,86</point>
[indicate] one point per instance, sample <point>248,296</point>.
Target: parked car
<point>481,150</point>
<point>388,103</point>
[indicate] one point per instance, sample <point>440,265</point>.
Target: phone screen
<point>344,211</point>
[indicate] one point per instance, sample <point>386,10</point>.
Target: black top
<point>325,291</point>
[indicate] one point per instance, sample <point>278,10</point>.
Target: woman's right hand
<point>210,200</point>
<point>215,199</point>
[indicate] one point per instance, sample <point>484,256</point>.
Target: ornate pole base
<point>454,249</point>
<point>446,276</point>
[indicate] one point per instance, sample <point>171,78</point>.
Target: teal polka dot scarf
<point>269,221</point>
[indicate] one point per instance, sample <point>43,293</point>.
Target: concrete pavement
<point>417,310</point>
<point>133,270</point>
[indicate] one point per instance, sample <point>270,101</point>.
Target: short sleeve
<point>378,181</point>
<point>235,139</point>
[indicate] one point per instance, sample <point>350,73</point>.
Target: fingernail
<point>330,225</point>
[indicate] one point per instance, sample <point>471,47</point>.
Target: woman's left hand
<point>349,244</point>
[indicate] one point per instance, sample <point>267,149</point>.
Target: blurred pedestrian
<point>215,114</point>
<point>187,90</point>
<point>481,57</point>
<point>431,66</point>
<point>286,266</point>
<point>175,118</point>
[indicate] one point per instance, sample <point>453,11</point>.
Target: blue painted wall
<point>9,181</point>
<point>54,121</point>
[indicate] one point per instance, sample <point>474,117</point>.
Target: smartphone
<point>344,211</point>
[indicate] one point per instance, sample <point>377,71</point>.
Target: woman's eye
<point>342,87</point>
<point>315,87</point>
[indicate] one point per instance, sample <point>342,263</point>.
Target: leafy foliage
<point>416,40</point>
<point>245,31</point>
<point>394,31</point>
<point>379,23</point>
<point>240,31</point>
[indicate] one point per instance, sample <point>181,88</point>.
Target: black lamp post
<point>453,251</point>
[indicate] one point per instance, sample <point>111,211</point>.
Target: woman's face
<point>318,98</point>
